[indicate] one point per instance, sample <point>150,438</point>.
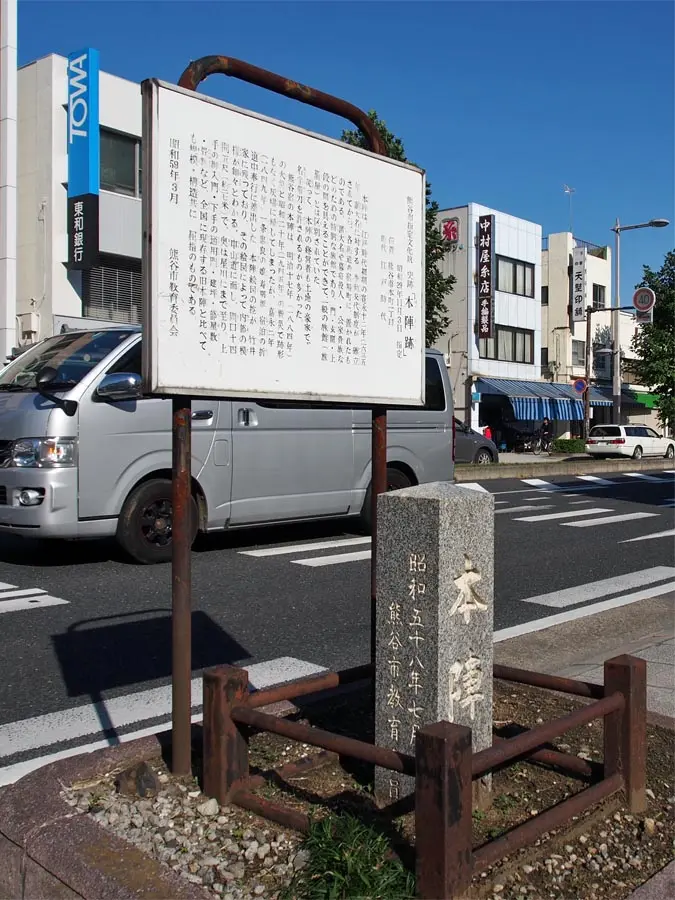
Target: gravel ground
<point>235,855</point>
<point>602,855</point>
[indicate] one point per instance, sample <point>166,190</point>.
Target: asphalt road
<point>101,630</point>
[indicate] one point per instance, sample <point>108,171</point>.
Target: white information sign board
<point>278,264</point>
<point>579,284</point>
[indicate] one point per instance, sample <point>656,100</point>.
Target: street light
<point>616,343</point>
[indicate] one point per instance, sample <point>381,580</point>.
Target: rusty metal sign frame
<point>183,530</point>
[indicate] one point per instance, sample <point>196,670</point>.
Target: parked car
<point>473,447</point>
<point>628,440</point>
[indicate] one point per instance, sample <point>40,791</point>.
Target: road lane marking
<point>610,520</point>
<point>577,502</point>
<point>120,712</point>
<point>594,589</point>
<point>537,482</point>
<point>650,537</point>
<point>13,599</point>
<point>332,560</point>
<point>517,509</point>
<point>26,592</point>
<point>596,480</point>
<point>34,602</point>
<point>580,612</point>
<point>473,486</point>
<point>643,477</point>
<point>302,548</point>
<point>569,514</point>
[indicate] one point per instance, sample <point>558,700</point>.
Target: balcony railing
<point>593,249</point>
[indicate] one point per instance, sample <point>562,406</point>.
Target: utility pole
<point>587,392</point>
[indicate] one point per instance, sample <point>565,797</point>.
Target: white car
<point>628,440</point>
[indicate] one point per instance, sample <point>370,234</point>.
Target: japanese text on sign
<point>579,284</point>
<point>283,264</point>
<point>485,274</point>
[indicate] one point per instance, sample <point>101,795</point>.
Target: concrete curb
<point>659,887</point>
<point>49,850</point>
<point>565,467</point>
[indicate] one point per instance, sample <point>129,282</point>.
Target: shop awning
<point>634,398</point>
<point>532,400</point>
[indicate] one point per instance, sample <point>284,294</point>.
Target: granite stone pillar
<point>435,592</point>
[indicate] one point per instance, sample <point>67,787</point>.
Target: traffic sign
<point>580,385</point>
<point>644,299</point>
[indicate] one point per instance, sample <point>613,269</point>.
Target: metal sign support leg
<point>181,587</point>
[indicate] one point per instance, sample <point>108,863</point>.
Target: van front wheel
<point>396,481</point>
<point>145,523</point>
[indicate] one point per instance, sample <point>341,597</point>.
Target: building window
<point>112,291</point>
<point>120,163</point>
<point>514,277</point>
<point>544,357</point>
<point>578,353</point>
<point>544,296</point>
<point>598,296</point>
<point>508,345</point>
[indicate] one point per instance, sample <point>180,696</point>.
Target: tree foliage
<point>654,344</point>
<point>437,285</point>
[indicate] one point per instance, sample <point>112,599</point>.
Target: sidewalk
<point>579,648</point>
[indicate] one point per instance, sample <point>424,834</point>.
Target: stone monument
<point>435,592</point>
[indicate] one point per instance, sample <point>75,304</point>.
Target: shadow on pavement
<point>127,651</point>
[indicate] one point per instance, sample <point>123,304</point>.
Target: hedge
<point>568,445</point>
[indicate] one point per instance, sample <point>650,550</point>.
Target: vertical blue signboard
<point>83,157</point>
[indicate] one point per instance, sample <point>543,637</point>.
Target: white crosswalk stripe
<point>595,479</point>
<point>610,520</point>
<point>304,548</point>
<point>473,486</point>
<point>642,476</point>
<point>333,560</point>
<point>517,509</point>
<point>15,599</point>
<point>650,537</point>
<point>568,514</point>
<point>603,588</point>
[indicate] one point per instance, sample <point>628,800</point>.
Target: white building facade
<point>564,340</point>
<point>79,225</point>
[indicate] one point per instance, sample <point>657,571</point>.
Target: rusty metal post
<point>378,486</point>
<point>625,733</point>
<point>181,588</point>
<point>444,863</point>
<point>225,747</point>
<point>191,78</point>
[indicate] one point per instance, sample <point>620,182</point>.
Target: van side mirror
<point>120,386</point>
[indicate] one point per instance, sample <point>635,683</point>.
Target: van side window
<point>129,362</point>
<point>435,393</point>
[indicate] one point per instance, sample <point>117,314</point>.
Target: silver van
<point>84,454</point>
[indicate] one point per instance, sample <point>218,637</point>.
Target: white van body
<point>105,469</point>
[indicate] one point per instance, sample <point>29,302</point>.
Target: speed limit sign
<point>644,299</point>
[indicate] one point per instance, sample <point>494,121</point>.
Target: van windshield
<point>73,355</point>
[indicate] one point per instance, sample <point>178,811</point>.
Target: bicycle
<point>541,445</point>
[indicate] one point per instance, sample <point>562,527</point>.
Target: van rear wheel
<point>396,481</point>
<point>145,524</point>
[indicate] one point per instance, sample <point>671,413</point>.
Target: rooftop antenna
<point>569,191</point>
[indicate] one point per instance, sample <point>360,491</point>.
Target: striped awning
<point>532,400</point>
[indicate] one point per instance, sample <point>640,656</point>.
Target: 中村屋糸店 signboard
<point>485,255</point>
<point>280,264</point>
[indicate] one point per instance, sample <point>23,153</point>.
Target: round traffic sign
<point>580,385</point>
<point>644,299</point>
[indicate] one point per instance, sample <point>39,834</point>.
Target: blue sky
<point>501,102</point>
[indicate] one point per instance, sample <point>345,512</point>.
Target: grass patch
<point>349,860</point>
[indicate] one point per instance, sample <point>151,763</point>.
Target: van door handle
<point>247,417</point>
<point>203,414</point>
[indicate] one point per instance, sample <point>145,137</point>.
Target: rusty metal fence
<point>444,766</point>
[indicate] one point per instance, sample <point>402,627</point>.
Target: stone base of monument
<point>435,591</point>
